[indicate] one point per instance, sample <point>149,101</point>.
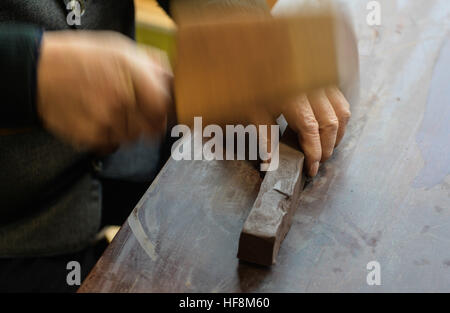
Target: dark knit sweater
<point>50,202</point>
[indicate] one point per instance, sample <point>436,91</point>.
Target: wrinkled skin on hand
<point>319,118</point>
<point>97,89</point>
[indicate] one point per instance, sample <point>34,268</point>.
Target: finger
<point>110,110</point>
<point>134,125</point>
<point>341,108</point>
<point>152,95</point>
<point>267,143</point>
<point>327,119</point>
<point>120,124</point>
<point>92,136</point>
<point>300,117</point>
<point>159,58</point>
<point>107,146</point>
<point>132,121</point>
<point>148,129</point>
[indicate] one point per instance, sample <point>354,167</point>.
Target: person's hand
<point>319,119</point>
<point>96,90</point>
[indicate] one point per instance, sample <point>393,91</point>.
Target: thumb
<point>152,92</point>
<point>268,139</point>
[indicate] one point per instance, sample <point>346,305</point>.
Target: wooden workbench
<point>384,196</point>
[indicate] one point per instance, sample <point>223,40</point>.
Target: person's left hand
<point>319,118</point>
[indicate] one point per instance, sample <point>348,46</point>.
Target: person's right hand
<point>96,90</point>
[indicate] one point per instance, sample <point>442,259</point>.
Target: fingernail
<point>268,157</point>
<point>313,169</point>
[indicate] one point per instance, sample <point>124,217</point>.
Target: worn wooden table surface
<point>384,196</point>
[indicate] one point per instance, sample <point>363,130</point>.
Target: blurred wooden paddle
<point>227,68</point>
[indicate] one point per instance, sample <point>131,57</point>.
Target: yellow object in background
<point>154,27</point>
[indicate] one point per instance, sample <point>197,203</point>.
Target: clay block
<point>271,215</point>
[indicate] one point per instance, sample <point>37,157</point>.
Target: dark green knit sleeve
<point>19,52</point>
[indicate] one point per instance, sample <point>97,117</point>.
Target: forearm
<point>19,51</point>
